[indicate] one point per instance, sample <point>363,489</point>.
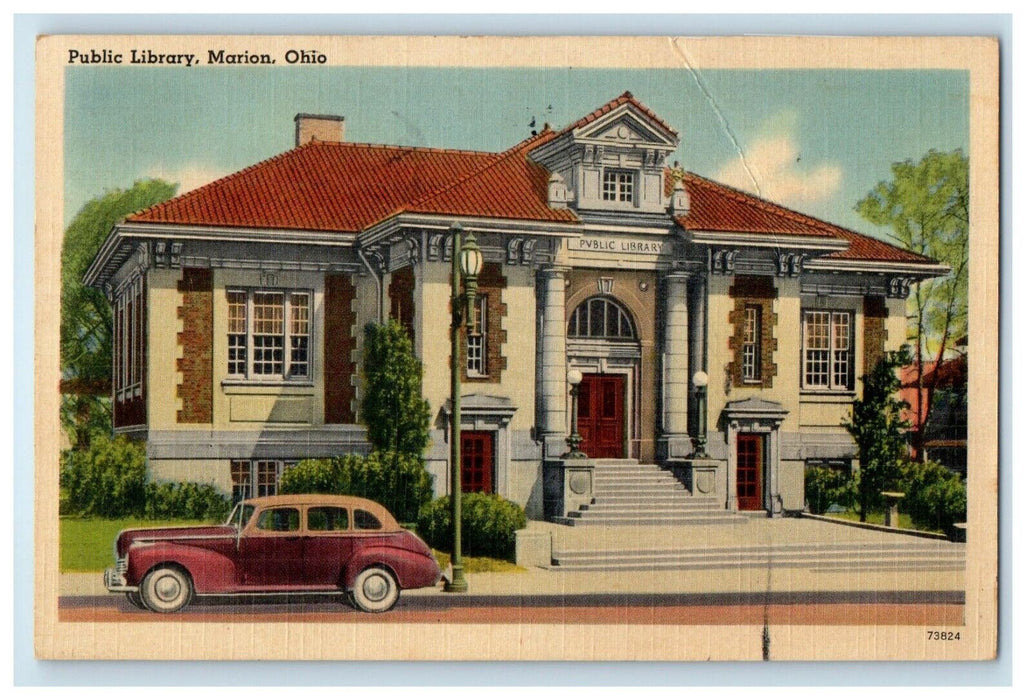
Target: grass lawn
<point>86,543</point>
<point>879,518</point>
<point>480,565</point>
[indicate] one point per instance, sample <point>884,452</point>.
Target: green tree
<point>878,429</point>
<point>926,207</point>
<point>396,415</point>
<point>86,325</point>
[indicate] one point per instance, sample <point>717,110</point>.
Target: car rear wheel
<point>375,590</point>
<point>134,598</point>
<point>166,589</point>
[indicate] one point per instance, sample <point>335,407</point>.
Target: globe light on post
<point>699,381</point>
<point>574,378</point>
<point>466,266</point>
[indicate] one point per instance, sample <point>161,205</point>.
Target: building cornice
<point>918,270</point>
<point>393,228</point>
<point>731,239</point>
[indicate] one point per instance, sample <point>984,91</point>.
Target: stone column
<point>551,378</point>
<point>674,442</point>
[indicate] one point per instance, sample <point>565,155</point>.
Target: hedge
<point>489,525</point>
<point>826,486</point>
<point>399,482</point>
<point>934,496</point>
<point>107,479</point>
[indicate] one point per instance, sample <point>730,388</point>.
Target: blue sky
<point>814,140</point>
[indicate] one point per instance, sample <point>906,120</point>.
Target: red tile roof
<point>717,207</point>
<point>348,187</point>
<point>320,186</point>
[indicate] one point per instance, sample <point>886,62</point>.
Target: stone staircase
<point>918,555</point>
<point>628,493</point>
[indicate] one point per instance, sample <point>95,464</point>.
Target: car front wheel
<point>167,589</point>
<point>134,598</point>
<point>375,590</point>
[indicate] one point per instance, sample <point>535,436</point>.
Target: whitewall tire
<point>166,589</point>
<point>375,590</point>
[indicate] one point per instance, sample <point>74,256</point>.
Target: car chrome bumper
<point>116,582</point>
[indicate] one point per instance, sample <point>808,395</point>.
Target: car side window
<point>364,520</point>
<point>279,520</point>
<point>327,519</point>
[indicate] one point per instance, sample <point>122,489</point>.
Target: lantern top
<point>470,258</point>
<point>700,379</point>
<point>574,376</point>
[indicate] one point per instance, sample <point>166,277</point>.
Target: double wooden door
<point>600,415</point>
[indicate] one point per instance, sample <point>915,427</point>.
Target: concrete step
<point>648,520</point>
<point>682,504</point>
<point>814,556</point>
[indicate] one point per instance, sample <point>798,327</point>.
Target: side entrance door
<point>600,415</point>
<point>750,471</point>
<point>477,448</point>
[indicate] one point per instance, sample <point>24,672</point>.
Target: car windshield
<point>240,515</point>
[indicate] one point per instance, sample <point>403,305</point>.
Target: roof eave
<point>921,270</point>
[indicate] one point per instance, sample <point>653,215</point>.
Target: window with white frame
<point>618,186</point>
<point>128,354</point>
<point>476,341</point>
<point>751,343</point>
<point>268,334</point>
<point>828,350</point>
<point>257,477</point>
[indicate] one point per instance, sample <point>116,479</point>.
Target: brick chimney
<point>317,127</point>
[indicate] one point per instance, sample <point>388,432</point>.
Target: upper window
<point>603,318</point>
<point>828,350</point>
<point>751,343</point>
<point>476,345</point>
<point>268,334</point>
<point>128,342</point>
<point>618,186</point>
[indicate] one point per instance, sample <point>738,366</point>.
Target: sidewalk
<point>728,580</point>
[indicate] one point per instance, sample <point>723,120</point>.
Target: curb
<point>879,528</point>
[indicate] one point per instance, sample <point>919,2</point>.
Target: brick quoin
<point>875,315</point>
<point>338,392</point>
<point>748,290</point>
<point>195,339</point>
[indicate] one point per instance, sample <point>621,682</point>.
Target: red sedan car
<point>276,544</point>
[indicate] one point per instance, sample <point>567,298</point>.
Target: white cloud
<point>774,172</point>
<point>189,176</point>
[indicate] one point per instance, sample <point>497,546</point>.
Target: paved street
<point>862,592</point>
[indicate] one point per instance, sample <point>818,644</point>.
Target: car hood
<point>127,537</point>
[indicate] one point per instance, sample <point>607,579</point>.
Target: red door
<point>600,415</point>
<point>478,461</point>
<point>749,471</point>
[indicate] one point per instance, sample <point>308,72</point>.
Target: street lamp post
<point>699,381</point>
<point>574,378</point>
<point>466,266</point>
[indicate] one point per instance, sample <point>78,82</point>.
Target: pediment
<point>627,125</point>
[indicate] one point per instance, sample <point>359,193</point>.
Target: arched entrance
<point>603,343</point>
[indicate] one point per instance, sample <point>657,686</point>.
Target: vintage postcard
<point>678,331</point>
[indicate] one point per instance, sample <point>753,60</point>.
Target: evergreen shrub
<point>489,523</point>
<point>399,482</point>
<point>825,487</point>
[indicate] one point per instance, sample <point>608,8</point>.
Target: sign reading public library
<point>618,246</point>
<point>237,289</point>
